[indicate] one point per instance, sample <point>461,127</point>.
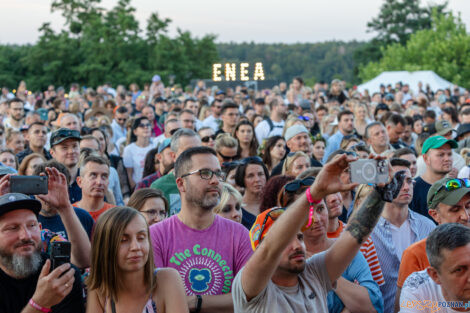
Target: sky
<point>267,21</point>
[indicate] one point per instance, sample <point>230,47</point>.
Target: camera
<point>366,171</point>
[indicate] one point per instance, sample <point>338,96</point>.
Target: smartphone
<point>60,253</point>
<point>29,185</point>
<point>366,171</point>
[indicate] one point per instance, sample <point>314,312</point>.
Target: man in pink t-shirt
<point>206,249</point>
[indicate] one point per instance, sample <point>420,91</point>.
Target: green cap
<point>435,142</point>
<point>439,194</point>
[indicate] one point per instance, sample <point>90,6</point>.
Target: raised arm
<point>58,198</point>
<point>261,266</point>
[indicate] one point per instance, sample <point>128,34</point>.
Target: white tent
<point>411,78</point>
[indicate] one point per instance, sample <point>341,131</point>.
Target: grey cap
<point>305,104</point>
<point>294,130</point>
<point>4,170</point>
<point>18,201</point>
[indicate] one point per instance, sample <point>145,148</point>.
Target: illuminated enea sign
<point>228,71</point>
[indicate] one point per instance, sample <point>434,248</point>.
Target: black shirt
<point>15,293</point>
<point>248,219</point>
<point>21,155</point>
<point>419,204</point>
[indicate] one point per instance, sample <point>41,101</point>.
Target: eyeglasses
<point>295,185</point>
<point>207,138</point>
<point>152,213</point>
<point>207,174</point>
<point>452,185</point>
<point>174,131</point>
<point>144,125</point>
<point>228,158</point>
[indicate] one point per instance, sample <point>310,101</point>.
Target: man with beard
<point>37,137</point>
<point>273,125</point>
<point>345,128</point>
<point>165,164</point>
<point>437,155</point>
<point>206,250</point>
<point>27,282</point>
<point>278,278</point>
<point>298,139</point>
<point>15,117</point>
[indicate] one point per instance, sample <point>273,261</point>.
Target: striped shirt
<point>389,259</point>
<point>368,251</point>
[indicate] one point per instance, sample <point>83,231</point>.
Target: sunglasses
<point>273,215</point>
<point>295,185</point>
<point>304,118</point>
<point>452,185</point>
<point>228,158</point>
<point>144,125</point>
<point>206,139</point>
<point>174,131</point>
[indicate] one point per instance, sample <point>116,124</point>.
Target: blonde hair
<point>464,153</point>
<point>227,192</point>
<point>286,167</point>
<point>225,140</point>
<point>105,274</point>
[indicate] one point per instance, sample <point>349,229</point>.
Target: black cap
<point>259,101</point>
<point>430,128</point>
<point>18,201</point>
<point>463,129</point>
<point>160,99</point>
<point>62,134</point>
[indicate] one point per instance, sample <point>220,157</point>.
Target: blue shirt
<point>55,224</point>
<point>388,257</point>
<point>358,270</point>
<point>332,145</point>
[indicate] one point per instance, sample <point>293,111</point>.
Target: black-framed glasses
<point>295,185</point>
<point>174,131</point>
<point>207,174</point>
<point>144,125</point>
<point>227,158</point>
<point>206,139</point>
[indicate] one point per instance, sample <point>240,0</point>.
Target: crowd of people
<point>238,200</point>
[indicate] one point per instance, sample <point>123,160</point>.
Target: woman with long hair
<point>295,163</point>
<point>134,153</point>
<point>29,163</point>
<point>274,151</point>
<point>230,205</point>
<point>152,203</point>
<point>245,135</point>
<point>122,275</point>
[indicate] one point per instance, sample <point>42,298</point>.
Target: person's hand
<point>53,287</point>
<point>328,180</point>
<point>453,173</point>
<point>58,194</point>
<point>5,184</point>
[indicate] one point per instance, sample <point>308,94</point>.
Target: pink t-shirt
<point>207,260</point>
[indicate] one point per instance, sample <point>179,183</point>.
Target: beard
<point>202,200</point>
<point>21,266</point>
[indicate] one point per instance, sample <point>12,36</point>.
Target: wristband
<point>38,307</point>
<point>199,304</point>
<point>311,217</point>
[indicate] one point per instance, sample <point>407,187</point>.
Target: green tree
<point>444,49</point>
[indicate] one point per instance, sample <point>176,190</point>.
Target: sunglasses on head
<point>230,164</point>
<point>304,118</point>
<point>252,159</point>
<point>452,185</point>
<point>208,138</point>
<point>295,185</point>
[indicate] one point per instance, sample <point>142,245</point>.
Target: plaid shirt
<point>148,180</point>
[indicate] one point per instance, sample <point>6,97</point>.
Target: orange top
<point>414,259</point>
<point>96,214</point>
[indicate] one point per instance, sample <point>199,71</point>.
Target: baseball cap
<point>463,129</point>
<point>220,92</point>
<point>435,142</point>
<point>429,128</point>
<point>438,193</point>
<point>160,99</point>
<point>294,130</point>
<point>443,127</point>
<point>262,224</point>
<point>17,201</point>
<point>156,78</point>
<point>305,104</point>
<point>62,134</point>
<point>165,144</point>
<point>389,97</point>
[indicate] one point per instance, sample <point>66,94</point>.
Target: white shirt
<point>134,157</point>
<point>263,130</point>
<point>211,122</point>
<point>421,294</point>
<point>401,237</point>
